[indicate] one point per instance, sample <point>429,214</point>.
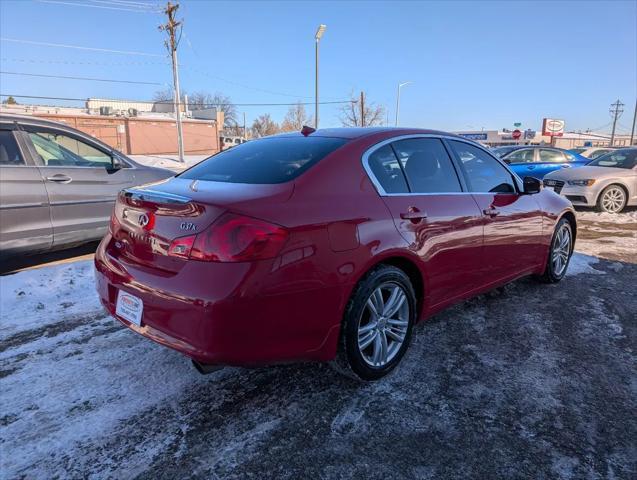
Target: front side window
<point>264,161</point>
<point>524,155</point>
<point>9,151</point>
<point>551,156</point>
<point>58,150</point>
<point>427,165</point>
<point>483,172</point>
<point>387,171</point>
<point>598,153</point>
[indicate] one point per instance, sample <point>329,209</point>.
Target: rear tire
<point>377,324</point>
<point>613,199</point>
<point>559,253</point>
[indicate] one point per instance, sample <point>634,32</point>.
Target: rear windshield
<point>268,160</point>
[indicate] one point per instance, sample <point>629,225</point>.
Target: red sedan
<point>324,245</point>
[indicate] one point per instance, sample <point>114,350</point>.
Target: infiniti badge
<point>143,220</point>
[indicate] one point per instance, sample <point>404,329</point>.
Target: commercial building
<point>496,138</point>
<point>131,130</point>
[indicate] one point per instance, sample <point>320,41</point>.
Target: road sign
<point>516,134</point>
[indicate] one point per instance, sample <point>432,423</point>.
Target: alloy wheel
<point>561,250</point>
<point>613,200</point>
<point>383,324</point>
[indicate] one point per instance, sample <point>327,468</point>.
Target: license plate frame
<point>129,307</point>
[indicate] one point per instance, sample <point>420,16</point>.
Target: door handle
<point>530,167</point>
<point>565,165</point>
<point>59,178</point>
<point>491,212</point>
<point>413,214</point>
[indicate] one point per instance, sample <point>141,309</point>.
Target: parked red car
<point>324,245</point>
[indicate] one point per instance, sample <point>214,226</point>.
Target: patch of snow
<point>581,263</point>
<point>627,216</point>
<point>169,161</point>
<point>39,297</point>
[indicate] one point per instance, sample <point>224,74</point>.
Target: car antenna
<point>307,130</point>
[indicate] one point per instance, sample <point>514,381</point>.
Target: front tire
<point>612,199</point>
<point>377,324</point>
<point>560,252</point>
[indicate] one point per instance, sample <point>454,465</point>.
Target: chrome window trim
<point>381,191</point>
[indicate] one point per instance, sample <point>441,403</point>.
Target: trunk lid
<point>150,217</point>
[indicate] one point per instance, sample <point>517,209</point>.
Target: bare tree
<point>263,126</point>
<point>360,112</point>
<point>296,118</point>
<point>166,95</point>
<point>201,100</point>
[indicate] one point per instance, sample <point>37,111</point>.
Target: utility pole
<point>171,45</point>
<point>245,135</point>
<point>362,109</point>
<point>632,131</point>
<point>616,109</point>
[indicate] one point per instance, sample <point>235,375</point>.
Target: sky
<point>480,64</point>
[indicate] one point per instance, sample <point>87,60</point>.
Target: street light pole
<point>400,85</point>
<point>317,38</point>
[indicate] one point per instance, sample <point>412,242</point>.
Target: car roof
<point>352,133</point>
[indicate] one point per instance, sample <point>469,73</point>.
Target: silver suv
<point>58,185</point>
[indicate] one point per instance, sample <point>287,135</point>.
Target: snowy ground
<point>530,381</point>
<point>169,161</point>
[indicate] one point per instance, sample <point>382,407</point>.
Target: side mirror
<point>507,161</point>
<point>531,185</point>
<point>115,165</point>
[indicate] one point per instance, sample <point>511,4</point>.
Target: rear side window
<point>521,156</point>
<point>9,152</point>
<point>268,160</point>
<point>387,171</point>
<point>551,156</point>
<point>427,165</point>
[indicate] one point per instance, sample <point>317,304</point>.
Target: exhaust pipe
<point>205,368</point>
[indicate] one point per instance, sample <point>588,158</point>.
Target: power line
<point>80,78</point>
<point>77,4</point>
<point>80,47</point>
<point>72,62</point>
<point>170,101</point>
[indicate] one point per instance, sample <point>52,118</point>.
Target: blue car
<point>537,161</point>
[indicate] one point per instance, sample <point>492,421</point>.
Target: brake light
<point>232,238</point>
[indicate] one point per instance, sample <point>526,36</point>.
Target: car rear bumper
<point>224,313</point>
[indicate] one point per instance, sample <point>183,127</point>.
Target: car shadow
<point>20,262</point>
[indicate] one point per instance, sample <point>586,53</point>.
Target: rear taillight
<point>113,225</point>
<point>232,238</point>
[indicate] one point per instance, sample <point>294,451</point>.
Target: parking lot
<point>532,380</point>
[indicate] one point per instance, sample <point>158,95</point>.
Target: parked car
<point>591,152</point>
<point>324,246</point>
<point>608,183</point>
<point>229,142</point>
<point>537,161</point>
<point>58,185</point>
